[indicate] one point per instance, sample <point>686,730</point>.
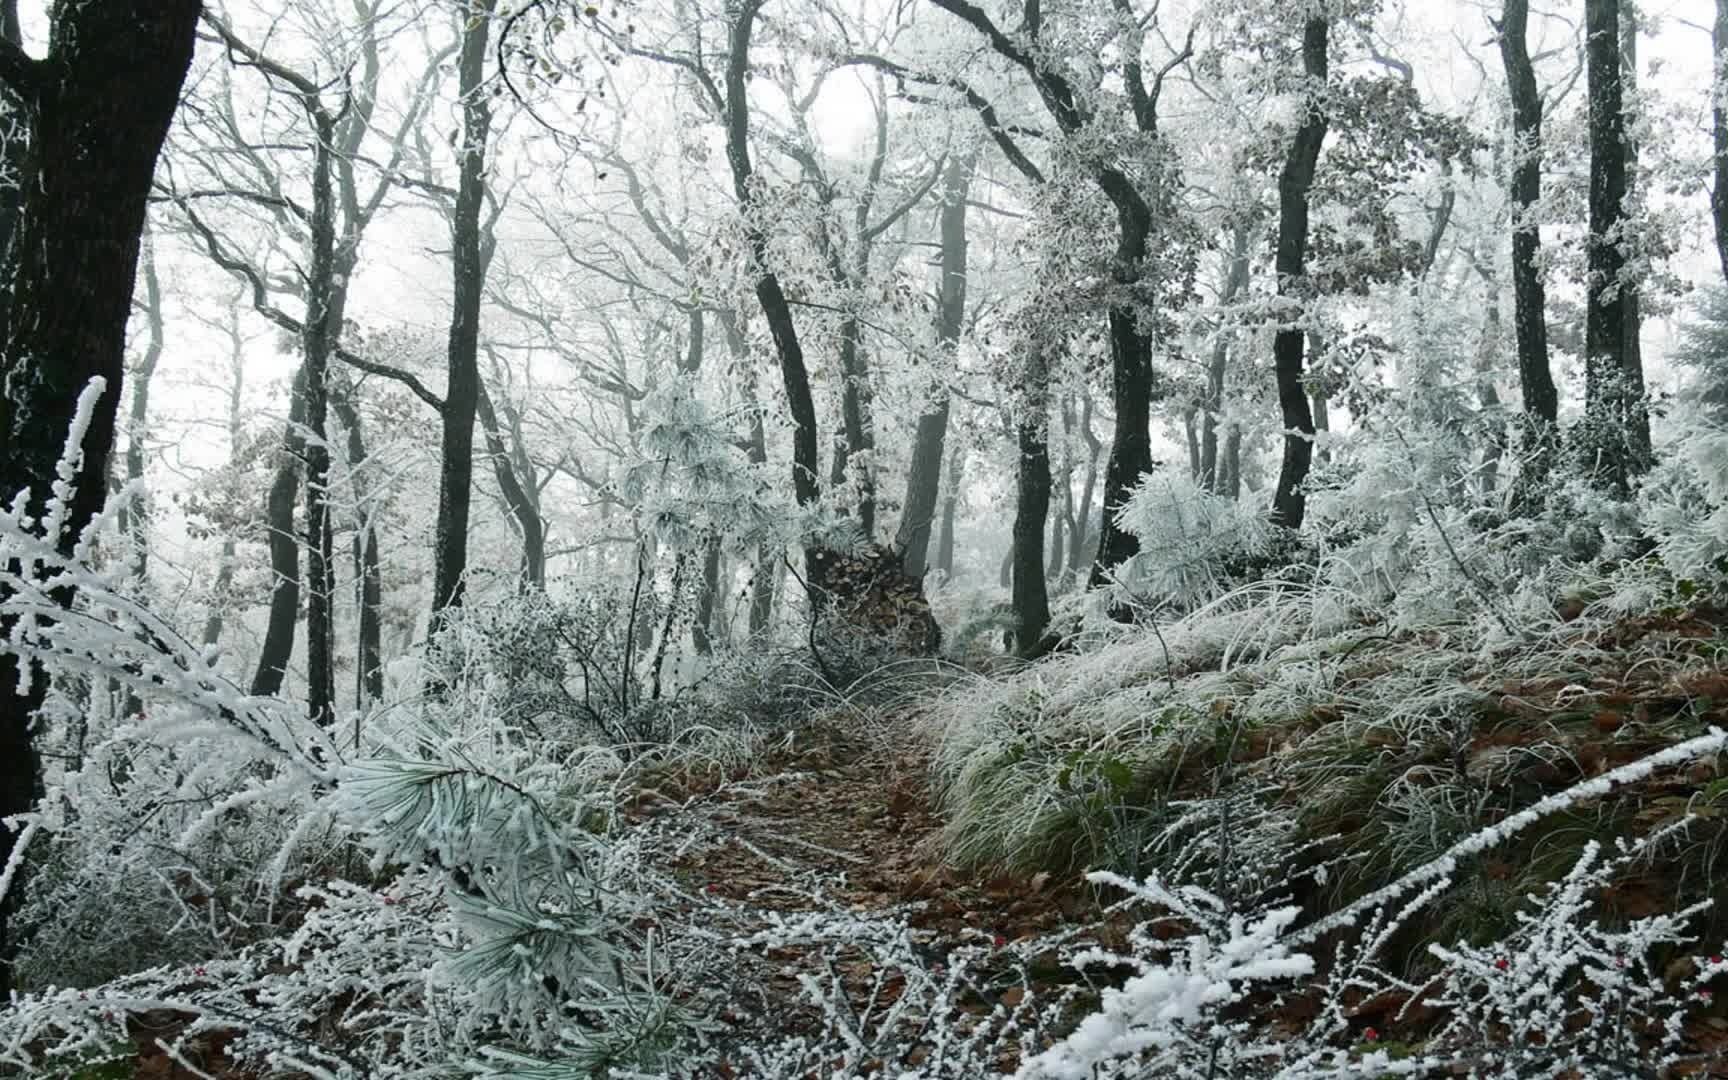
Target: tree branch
<point>1001,134</point>
<point>247,273</point>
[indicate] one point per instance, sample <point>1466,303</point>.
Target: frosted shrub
<point>1565,992</point>
<point>1171,1017</point>
<point>489,911</point>
<point>1684,503</point>
<point>1195,545</point>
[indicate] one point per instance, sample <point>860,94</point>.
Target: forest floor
<point>840,822</point>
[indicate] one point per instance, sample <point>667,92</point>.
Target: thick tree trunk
<point>1230,469</point>
<point>1031,601</point>
<point>707,592</point>
<point>461,399</point>
<point>1289,503</point>
<point>1616,427</point>
<point>283,543</point>
<point>101,103</point>
<point>1541,433</point>
<point>924,480</point>
<point>15,109</point>
<point>1632,357</point>
<point>1131,381</point>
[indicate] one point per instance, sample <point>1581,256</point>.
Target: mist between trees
<point>1191,456</point>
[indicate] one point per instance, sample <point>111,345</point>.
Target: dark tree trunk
<point>1632,359</point>
<point>1031,601</point>
<point>461,399</point>
<point>1057,563</point>
<point>1719,118</point>
<point>769,294</point>
<point>1289,503</point>
<point>14,151</point>
<point>1540,435</point>
<point>1616,427</point>
<point>99,108</point>
<point>707,592</point>
<point>521,505</point>
<point>1130,346</point>
<point>1230,469</point>
<point>924,480</point>
<point>283,542</point>
<point>1131,382</point>
<point>318,342</point>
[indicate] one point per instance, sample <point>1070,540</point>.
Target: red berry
<point>198,971</point>
<point>1370,1035</point>
<point>1502,964</point>
<point>1716,960</point>
<point>998,941</point>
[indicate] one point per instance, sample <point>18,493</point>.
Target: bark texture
<point>1030,596</point>
<point>462,359</point>
<point>1616,432</point>
<point>1540,436</point>
<point>1289,503</point>
<point>99,106</point>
